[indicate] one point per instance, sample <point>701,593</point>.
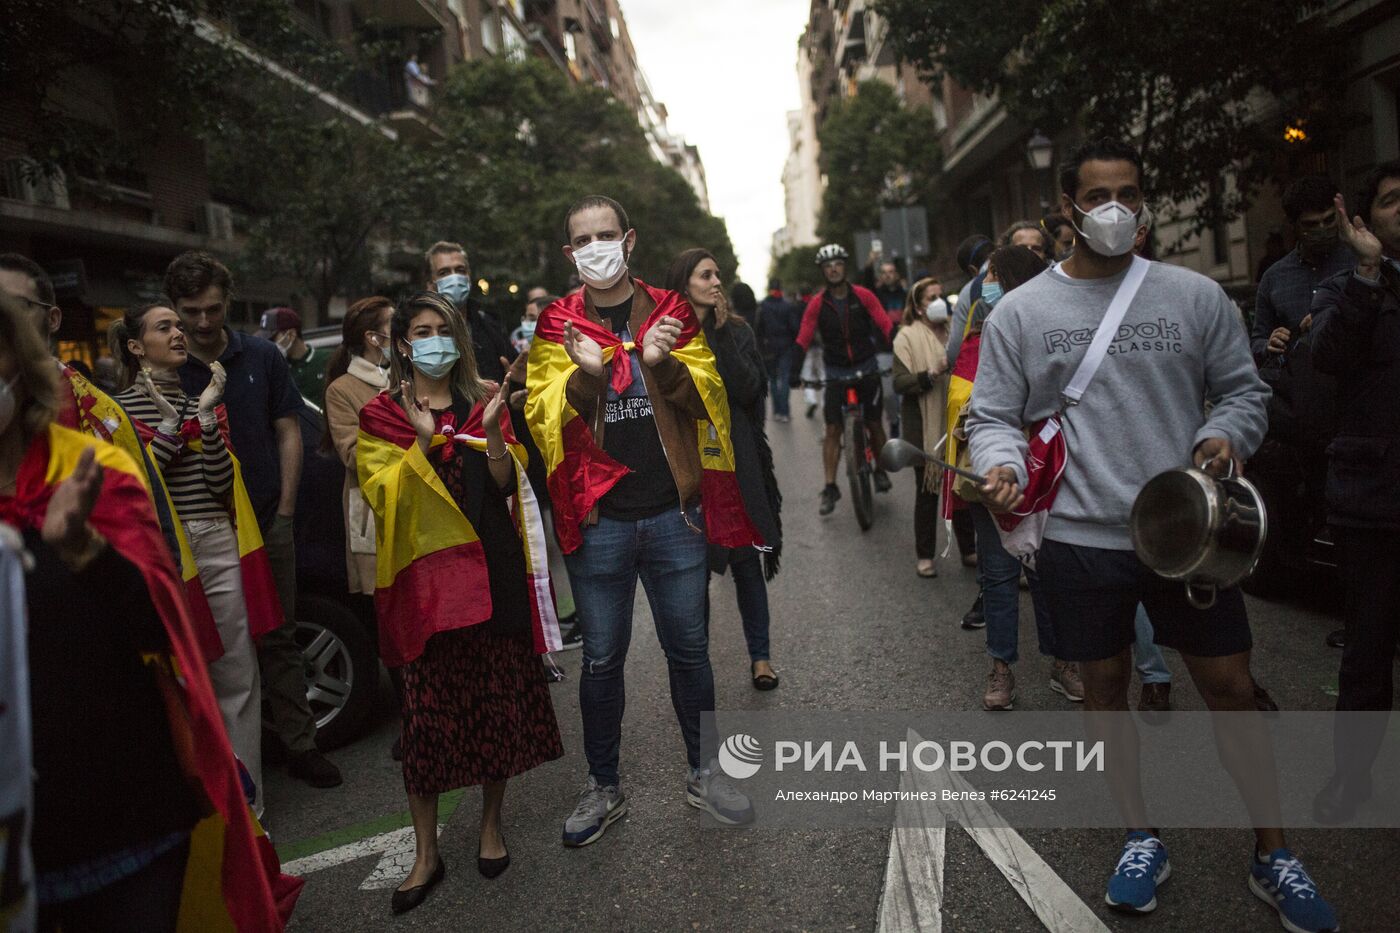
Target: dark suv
<point>336,630</point>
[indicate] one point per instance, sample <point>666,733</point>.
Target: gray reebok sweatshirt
<point>1181,345</point>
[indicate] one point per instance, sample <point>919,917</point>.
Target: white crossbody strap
<point>1108,329</point>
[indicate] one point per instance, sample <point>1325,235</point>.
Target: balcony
<point>404,106</point>
<point>852,39</point>
<point>598,25</point>
<point>412,14</point>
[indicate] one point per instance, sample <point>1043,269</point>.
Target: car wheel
<point>341,667</point>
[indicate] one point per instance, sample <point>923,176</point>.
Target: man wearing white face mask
<point>1180,343</point>
<point>630,414</point>
<point>283,327</point>
<point>450,275</point>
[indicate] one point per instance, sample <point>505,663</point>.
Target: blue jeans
<point>778,387</point>
<point>999,576</point>
<point>1147,657</point>
<point>669,558</point>
<point>751,592</point>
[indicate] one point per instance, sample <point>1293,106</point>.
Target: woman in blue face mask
<point>464,606</point>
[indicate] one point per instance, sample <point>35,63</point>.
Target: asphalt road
<point>853,629</point>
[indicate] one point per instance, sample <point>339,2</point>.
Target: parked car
<point>335,629</point>
<point>1298,549</point>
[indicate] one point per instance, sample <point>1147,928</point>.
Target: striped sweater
<point>199,483</point>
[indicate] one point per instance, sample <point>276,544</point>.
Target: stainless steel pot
<point>1203,530</point>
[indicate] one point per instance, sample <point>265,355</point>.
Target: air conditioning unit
<point>215,220</point>
<point>27,181</point>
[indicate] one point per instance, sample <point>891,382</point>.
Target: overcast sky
<point>727,72</point>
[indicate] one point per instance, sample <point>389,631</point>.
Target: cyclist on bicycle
<point>853,326</point>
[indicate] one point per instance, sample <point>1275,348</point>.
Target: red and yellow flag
<point>259,587</point>
<point>959,393</point>
<point>431,568</point>
<point>579,472</point>
<point>89,410</point>
<point>230,882</point>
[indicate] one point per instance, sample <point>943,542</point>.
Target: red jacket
<point>850,338</point>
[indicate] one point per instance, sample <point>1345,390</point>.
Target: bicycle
<point>855,441</point>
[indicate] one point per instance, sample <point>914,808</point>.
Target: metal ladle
<point>898,454</point>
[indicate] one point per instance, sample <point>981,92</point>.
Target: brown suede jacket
<point>676,403</point>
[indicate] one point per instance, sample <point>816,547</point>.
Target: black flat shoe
<point>404,901</point>
<point>764,681</point>
<point>492,867</point>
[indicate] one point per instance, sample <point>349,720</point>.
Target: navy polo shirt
<point>259,390</point>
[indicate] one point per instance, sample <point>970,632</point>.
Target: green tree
<point>797,269</point>
<point>322,192</point>
<point>1187,81</point>
<point>877,153</point>
<point>522,144</point>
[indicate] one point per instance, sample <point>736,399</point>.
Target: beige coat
<point>344,399</point>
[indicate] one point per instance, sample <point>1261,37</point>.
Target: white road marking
<point>395,848</point>
<point>913,893</point>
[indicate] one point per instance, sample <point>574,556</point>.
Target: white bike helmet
<point>831,251</point>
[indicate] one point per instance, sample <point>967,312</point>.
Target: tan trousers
<point>237,684</point>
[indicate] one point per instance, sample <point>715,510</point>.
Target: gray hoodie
<point>1181,347</point>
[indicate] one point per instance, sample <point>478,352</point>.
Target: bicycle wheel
<point>858,471</point>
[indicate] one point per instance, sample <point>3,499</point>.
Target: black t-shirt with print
<point>631,438</point>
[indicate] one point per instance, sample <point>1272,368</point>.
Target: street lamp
<point>1040,150</point>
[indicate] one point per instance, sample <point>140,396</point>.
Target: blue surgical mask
<point>434,356</point>
<point>991,293</point>
<point>455,288</point>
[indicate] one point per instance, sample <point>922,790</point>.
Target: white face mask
<point>601,263</point>
<point>937,310</point>
<point>1109,229</point>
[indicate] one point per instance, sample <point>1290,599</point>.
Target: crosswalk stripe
<point>913,897</point>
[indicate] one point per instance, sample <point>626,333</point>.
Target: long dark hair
<point>130,326</point>
<point>682,268</point>
<point>1015,266</point>
<point>463,376</point>
<point>359,318</point>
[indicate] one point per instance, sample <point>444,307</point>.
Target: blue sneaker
<point>1283,883</point>
<point>1142,866</point>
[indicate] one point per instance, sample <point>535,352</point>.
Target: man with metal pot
<point>1179,343</point>
<point>1356,337</point>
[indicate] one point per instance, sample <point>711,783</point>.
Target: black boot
<point>974,618</point>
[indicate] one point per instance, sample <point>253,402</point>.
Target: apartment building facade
<point>990,175</point>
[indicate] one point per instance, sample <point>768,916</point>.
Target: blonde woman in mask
<point>921,382</point>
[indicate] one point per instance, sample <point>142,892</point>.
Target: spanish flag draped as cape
<point>88,410</point>
<point>233,880</point>
<point>259,588</point>
<point>580,473</point>
<point>431,571</point>
<point>959,394</point>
